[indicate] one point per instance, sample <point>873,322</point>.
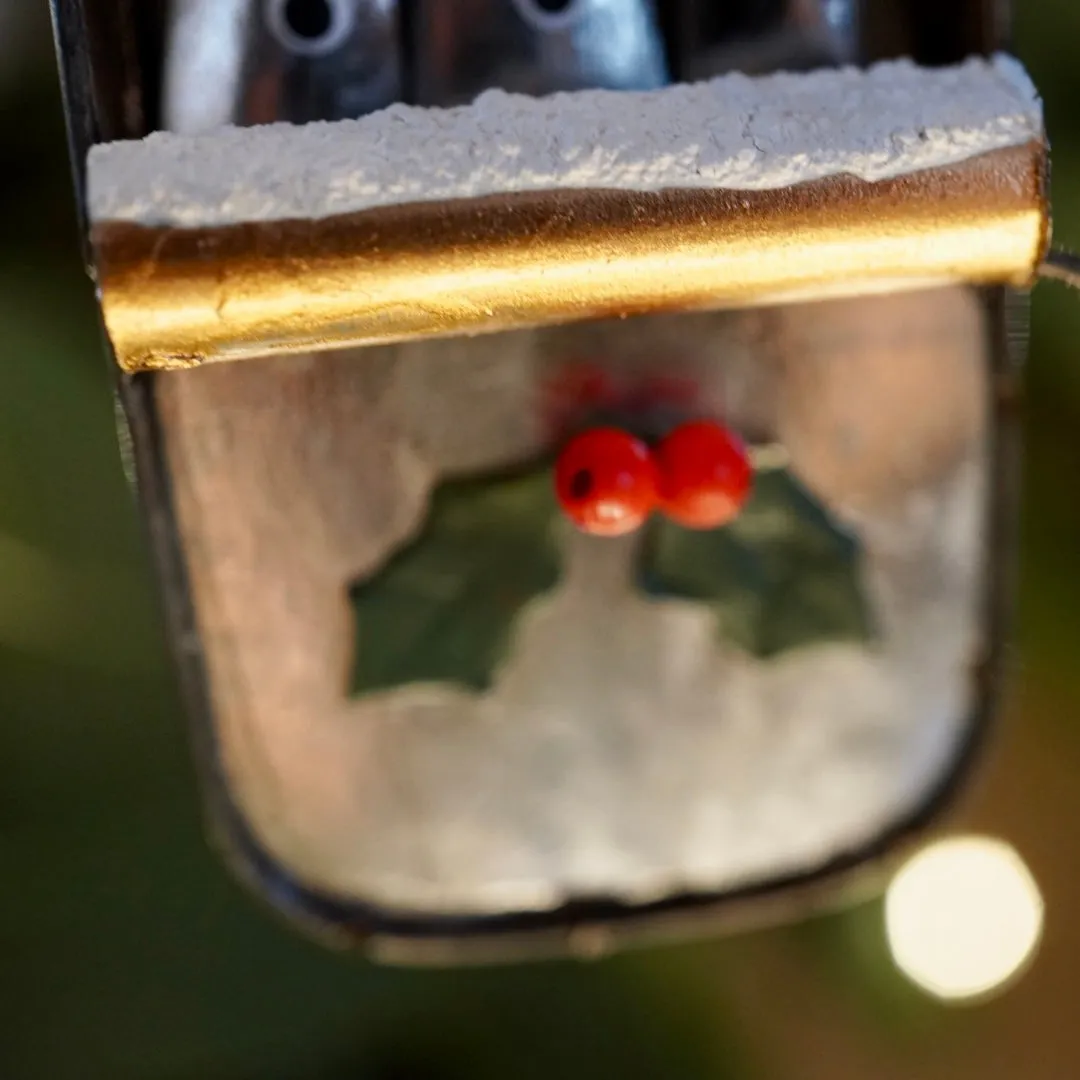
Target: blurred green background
<point>127,951</point>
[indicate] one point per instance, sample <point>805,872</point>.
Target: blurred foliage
<point>127,951</point>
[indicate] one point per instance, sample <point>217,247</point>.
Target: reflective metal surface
<point>255,61</point>
<point>841,17</point>
<point>757,36</point>
<point>533,47</point>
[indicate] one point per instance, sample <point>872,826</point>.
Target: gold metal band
<point>174,298</point>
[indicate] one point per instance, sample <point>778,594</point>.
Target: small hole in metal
<point>309,19</point>
<point>311,28</point>
<point>549,15</point>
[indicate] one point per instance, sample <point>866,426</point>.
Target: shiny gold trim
<point>174,298</point>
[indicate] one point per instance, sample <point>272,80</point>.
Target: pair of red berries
<point>608,481</point>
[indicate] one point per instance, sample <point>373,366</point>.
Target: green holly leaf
<point>444,608</point>
<point>782,575</point>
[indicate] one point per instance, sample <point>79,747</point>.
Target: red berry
<point>606,482</point>
<point>705,475</point>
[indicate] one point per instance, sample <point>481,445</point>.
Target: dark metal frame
<point>103,47</point>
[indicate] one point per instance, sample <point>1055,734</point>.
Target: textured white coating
<point>625,750</point>
<point>731,132</point>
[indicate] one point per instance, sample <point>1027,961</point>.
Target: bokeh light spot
<point>963,917</point>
